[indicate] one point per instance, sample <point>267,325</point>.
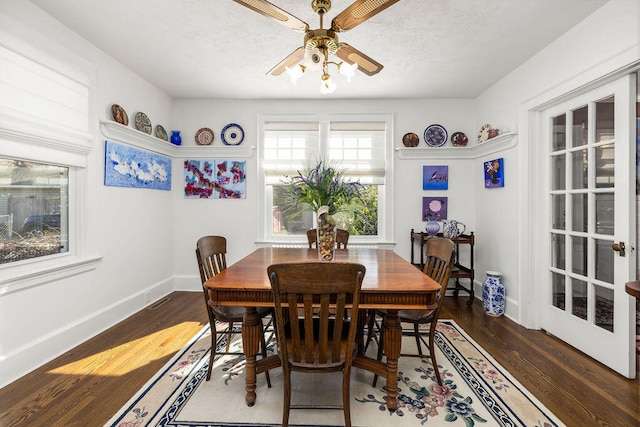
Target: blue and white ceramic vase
<point>175,137</point>
<point>493,294</point>
<point>433,226</point>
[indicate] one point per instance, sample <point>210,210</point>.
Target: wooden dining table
<point>390,283</point>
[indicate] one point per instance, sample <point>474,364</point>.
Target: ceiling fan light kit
<point>321,44</point>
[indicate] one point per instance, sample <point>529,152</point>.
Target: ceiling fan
<point>320,43</point>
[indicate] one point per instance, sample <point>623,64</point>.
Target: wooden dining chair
<point>211,256</point>
<point>314,336</point>
<point>312,237</point>
<point>440,256</point>
<point>342,238</point>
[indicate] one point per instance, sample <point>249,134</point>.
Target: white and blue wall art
<point>126,166</point>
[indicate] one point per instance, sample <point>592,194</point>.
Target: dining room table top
<point>387,275</point>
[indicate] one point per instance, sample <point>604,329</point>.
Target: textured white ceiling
<point>220,49</point>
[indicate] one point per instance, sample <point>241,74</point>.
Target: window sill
<point>304,244</point>
<point>14,278</point>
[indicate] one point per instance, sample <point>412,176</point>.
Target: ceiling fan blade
<point>358,12</point>
<point>291,60</point>
<point>352,55</point>
<point>272,11</point>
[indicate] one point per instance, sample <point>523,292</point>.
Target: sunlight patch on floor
<point>132,355</point>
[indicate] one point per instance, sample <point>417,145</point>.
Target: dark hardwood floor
<point>87,385</point>
<point>579,390</point>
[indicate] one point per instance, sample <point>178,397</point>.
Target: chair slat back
<point>440,257</point>
<point>315,296</point>
<point>342,238</point>
<point>312,237</point>
<point>211,252</point>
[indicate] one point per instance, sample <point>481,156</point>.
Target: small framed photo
<point>435,177</point>
<point>494,173</point>
<point>434,208</point>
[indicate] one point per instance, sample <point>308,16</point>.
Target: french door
<point>590,232</point>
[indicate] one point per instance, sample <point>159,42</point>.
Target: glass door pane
<point>589,148</point>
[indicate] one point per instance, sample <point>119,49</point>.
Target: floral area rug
<point>476,391</point>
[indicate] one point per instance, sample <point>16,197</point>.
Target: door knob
<point>619,247</point>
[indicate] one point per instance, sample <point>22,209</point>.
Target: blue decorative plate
<point>435,135</point>
<point>232,134</point>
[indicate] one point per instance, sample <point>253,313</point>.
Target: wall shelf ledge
<point>118,132</point>
<point>494,145</point>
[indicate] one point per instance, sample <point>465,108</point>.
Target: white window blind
<point>359,148</point>
<point>358,145</point>
<point>288,146</point>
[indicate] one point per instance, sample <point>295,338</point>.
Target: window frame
<point>385,236</point>
<point>41,137</point>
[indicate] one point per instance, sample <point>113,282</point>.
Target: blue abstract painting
<point>494,173</point>
<point>435,177</point>
<point>126,166</point>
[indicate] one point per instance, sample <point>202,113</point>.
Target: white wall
<point>606,41</point>
<point>236,219</point>
<point>147,237</point>
<point>132,228</point>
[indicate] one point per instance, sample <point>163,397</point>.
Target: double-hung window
<point>359,146</point>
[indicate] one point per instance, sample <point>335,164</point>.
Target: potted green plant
<point>325,190</point>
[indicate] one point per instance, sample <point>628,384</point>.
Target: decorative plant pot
<point>175,137</point>
<point>433,226</point>
<point>493,294</point>
<point>326,230</point>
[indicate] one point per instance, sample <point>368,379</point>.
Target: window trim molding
<point>385,236</point>
<point>42,139</point>
<point>26,275</point>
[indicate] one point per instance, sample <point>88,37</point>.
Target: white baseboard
<point>38,352</point>
<point>190,283</point>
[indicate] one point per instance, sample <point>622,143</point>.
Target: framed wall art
<point>126,166</point>
<point>434,208</point>
<point>215,179</point>
<point>494,173</point>
<point>435,177</point>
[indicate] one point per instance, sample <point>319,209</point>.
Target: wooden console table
<point>459,271</point>
<point>633,289</point>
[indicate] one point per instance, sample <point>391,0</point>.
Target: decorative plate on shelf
<point>204,136</point>
<point>161,133</point>
<point>435,135</point>
<point>143,124</point>
<point>410,139</point>
<point>119,115</point>
<point>232,134</point>
<point>459,139</point>
<point>483,134</point>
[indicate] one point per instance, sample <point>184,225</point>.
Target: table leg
<point>362,320</point>
<point>392,342</point>
<point>250,347</point>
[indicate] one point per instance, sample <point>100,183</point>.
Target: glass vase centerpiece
<point>326,231</point>
<point>325,190</point>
